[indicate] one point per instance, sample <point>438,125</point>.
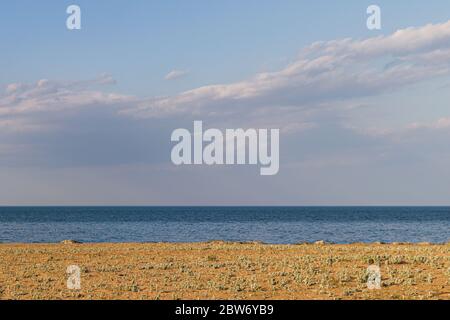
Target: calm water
<point>192,224</point>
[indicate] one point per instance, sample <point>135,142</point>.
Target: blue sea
<point>194,224</point>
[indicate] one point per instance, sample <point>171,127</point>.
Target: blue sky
<point>372,130</point>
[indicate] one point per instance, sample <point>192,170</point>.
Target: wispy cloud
<point>176,74</point>
<point>46,95</point>
<point>324,73</point>
<point>23,106</point>
<point>442,123</point>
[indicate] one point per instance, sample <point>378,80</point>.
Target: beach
<point>224,270</point>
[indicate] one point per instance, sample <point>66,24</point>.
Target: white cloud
<point>442,123</point>
<point>47,95</point>
<point>22,104</point>
<point>325,78</point>
<point>325,72</point>
<point>176,74</point>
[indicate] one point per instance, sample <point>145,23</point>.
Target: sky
<point>86,115</point>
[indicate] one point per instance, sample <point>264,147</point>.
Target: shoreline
<point>319,242</point>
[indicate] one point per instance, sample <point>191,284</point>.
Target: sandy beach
<point>219,270</point>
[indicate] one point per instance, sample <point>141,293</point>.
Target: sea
<point>275,225</point>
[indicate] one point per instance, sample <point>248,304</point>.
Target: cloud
<point>442,123</point>
<point>74,123</point>
<point>319,89</point>
<point>326,78</point>
<point>324,73</point>
<point>19,125</point>
<point>176,74</point>
<point>46,95</point>
<point>26,106</point>
<point>64,131</point>
<point>403,131</point>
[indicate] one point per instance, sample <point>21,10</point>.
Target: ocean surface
<point>194,224</point>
